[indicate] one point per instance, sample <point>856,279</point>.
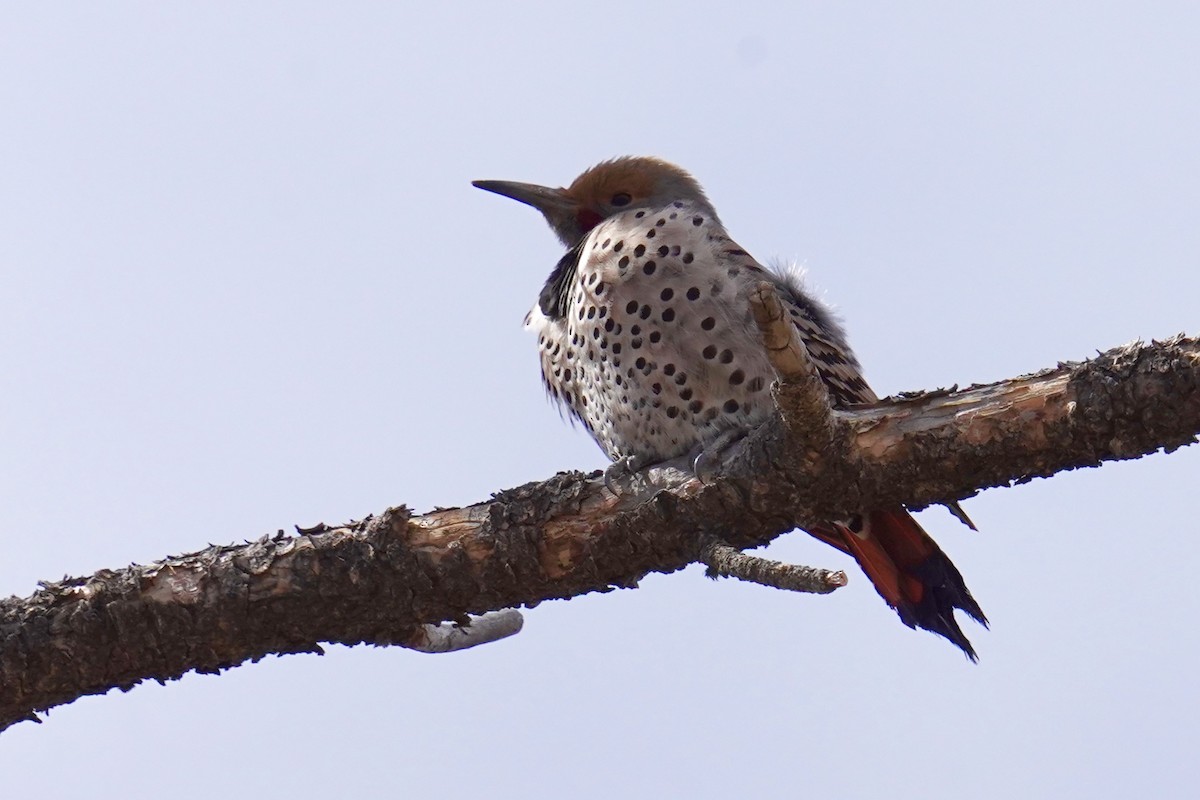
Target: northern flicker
<point>646,337</point>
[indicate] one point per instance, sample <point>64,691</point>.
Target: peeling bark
<point>380,580</point>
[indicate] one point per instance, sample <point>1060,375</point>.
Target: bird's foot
<point>620,470</point>
<point>707,464</point>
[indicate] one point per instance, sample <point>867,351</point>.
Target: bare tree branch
<point>800,394</point>
<point>724,561</point>
<point>382,579</point>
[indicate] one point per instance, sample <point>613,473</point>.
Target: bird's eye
<point>620,199</point>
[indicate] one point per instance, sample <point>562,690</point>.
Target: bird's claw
<point>708,461</point>
<point>704,467</point>
<point>619,470</point>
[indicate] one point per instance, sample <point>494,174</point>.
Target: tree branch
<point>381,579</point>
<point>724,561</point>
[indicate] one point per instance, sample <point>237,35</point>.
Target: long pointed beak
<point>543,198</point>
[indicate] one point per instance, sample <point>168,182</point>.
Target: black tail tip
<point>945,593</point>
<point>944,625</point>
<point>935,613</point>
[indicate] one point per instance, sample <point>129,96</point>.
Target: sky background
<point>245,283</point>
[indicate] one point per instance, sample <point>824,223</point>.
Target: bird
<point>646,337</point>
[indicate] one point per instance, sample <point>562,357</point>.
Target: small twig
<point>726,561</point>
<point>800,394</point>
<point>787,353</point>
<point>482,629</point>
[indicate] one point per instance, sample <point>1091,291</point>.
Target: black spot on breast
<point>708,323</point>
<point>667,294</point>
<point>617,247</point>
<point>623,263</point>
<point>668,315</point>
<point>639,251</point>
<point>730,407</point>
<point>697,221</point>
<point>655,337</point>
<point>736,377</point>
<point>645,312</point>
<point>726,356</point>
<point>669,370</point>
<point>651,233</point>
<point>693,294</point>
<point>755,385</point>
<point>664,250</point>
<point>709,352</point>
<point>631,307</point>
<point>649,267</point>
<point>672,412</point>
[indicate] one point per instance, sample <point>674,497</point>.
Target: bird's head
<point>606,189</point>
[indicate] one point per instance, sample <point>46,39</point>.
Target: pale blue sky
<point>245,283</point>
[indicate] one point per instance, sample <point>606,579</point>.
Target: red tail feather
<point>909,571</point>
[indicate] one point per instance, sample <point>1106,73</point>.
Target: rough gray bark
<point>381,579</point>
